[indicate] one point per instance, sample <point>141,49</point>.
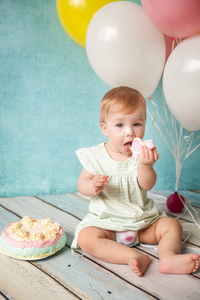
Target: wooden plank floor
<point>71,276</point>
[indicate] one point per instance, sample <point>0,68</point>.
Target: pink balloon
<point>176,18</point>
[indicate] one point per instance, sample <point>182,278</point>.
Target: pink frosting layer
<point>30,244</point>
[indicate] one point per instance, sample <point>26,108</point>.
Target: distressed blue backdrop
<point>49,106</point>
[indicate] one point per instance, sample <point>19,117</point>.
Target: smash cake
<point>32,239</point>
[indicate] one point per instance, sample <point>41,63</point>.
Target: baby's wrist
<point>146,164</point>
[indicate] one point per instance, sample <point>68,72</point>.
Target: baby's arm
<point>90,185</point>
<point>145,173</point>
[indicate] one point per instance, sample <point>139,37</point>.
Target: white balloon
<point>181,83</point>
<point>125,48</point>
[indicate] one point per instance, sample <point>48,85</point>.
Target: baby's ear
<point>104,129</point>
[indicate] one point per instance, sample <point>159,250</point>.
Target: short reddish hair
<point>121,99</point>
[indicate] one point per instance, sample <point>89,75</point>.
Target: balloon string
<point>160,132</point>
<point>196,221</point>
<point>156,125</point>
<point>165,108</point>
<point>186,209</point>
<point>187,237</point>
<point>192,151</point>
<point>175,40</point>
<point>180,144</point>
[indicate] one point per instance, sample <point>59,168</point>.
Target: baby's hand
<point>98,183</point>
<point>148,156</point>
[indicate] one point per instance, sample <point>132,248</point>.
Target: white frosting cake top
<point>29,229</point>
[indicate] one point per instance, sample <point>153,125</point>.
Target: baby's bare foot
<point>139,263</point>
<point>180,264</point>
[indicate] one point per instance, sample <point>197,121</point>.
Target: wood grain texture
<point>72,275</point>
<point>20,280</point>
<point>82,277</point>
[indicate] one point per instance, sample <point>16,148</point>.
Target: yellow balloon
<point>75,16</point>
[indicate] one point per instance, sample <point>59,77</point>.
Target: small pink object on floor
<point>175,202</point>
<point>137,146</point>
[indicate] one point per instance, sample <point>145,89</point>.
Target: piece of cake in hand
<point>137,146</point>
<point>32,239</point>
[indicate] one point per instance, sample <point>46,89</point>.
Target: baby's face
<point>121,129</point>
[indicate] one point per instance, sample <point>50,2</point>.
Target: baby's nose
<point>129,132</point>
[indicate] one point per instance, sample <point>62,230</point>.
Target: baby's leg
<point>167,232</point>
<point>169,248</point>
<point>102,245</point>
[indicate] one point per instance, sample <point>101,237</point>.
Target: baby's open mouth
<point>128,146</point>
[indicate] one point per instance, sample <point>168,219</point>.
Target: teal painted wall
<point>49,106</point>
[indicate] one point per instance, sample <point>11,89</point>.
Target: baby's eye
<point>137,124</point>
<point>120,125</point>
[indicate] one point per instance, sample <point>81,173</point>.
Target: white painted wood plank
<point>74,204</point>
<point>194,239</point>
<point>1,296</point>
<point>153,277</point>
<point>163,286</point>
<point>84,278</point>
<point>194,231</point>
<point>6,217</point>
<point>89,280</point>
<point>20,280</point>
